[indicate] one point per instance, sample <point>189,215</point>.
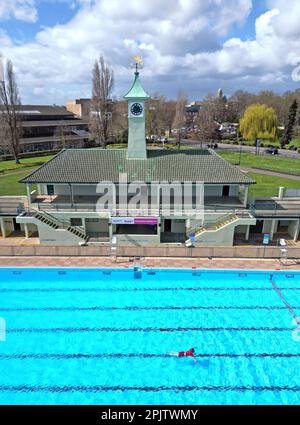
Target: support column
<point>28,194</point>
<point>26,230</point>
<point>3,230</point>
<point>246,195</point>
<point>110,229</point>
<point>71,195</point>
<point>272,231</point>
<point>159,228</point>
<point>158,199</point>
<point>247,233</point>
<point>297,232</point>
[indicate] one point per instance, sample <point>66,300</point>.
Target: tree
<point>10,123</point>
<point>101,106</point>
<point>179,119</point>
<point>153,115</point>
<point>61,132</point>
<point>259,121</point>
<point>160,115</point>
<point>288,130</point>
<point>167,115</point>
<point>207,128</point>
<point>120,122</point>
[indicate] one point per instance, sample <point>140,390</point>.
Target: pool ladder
<point>137,267</point>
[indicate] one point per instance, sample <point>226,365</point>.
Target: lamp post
<point>241,146</point>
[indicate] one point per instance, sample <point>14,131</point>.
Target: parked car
<point>272,151</point>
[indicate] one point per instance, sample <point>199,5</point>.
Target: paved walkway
<point>269,173</point>
<point>200,263</point>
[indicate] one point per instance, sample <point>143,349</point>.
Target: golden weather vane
<point>138,62</point>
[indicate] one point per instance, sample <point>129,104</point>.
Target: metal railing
<point>62,224</point>
<point>213,224</point>
<point>274,209</point>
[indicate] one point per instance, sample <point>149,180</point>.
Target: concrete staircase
<point>55,224</point>
<point>217,226</point>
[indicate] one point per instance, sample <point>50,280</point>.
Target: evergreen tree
<point>288,130</point>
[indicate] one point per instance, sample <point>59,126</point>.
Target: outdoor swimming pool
<point>102,336</point>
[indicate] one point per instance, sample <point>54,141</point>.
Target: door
<point>17,226</point>
<point>226,190</point>
<point>50,189</point>
<point>168,226</point>
<point>258,227</point>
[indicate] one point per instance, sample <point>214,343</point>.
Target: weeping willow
<point>259,121</point>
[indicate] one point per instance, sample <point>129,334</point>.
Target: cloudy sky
<point>194,45</point>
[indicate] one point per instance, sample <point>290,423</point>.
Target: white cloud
<point>22,10</point>
<point>178,39</point>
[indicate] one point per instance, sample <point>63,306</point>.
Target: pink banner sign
<point>151,221</point>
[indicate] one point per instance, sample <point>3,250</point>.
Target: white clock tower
<point>136,119</point>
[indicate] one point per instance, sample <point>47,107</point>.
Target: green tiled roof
<point>137,91</point>
<point>96,165</point>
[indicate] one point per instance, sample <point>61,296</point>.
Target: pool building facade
<point>62,205</point>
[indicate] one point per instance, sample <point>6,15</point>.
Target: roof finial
<point>138,63</point>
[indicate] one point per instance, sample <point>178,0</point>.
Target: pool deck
<point>153,262</point>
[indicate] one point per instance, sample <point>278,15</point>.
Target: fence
<point>149,251</point>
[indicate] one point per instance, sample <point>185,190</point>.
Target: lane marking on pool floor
<point>141,308</point>
<point>140,355</point>
<point>192,289</point>
<point>283,299</point>
<point>105,388</point>
<point>146,329</point>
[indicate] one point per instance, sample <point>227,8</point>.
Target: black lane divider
<point>283,299</point>
<point>213,289</point>
<point>59,356</point>
<point>137,308</point>
<point>104,388</point>
<point>147,329</point>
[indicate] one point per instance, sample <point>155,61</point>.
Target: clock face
<point>136,109</point>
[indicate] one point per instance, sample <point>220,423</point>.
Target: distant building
<point>192,111</point>
<point>49,128</point>
<point>79,107</point>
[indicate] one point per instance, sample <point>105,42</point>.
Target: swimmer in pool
<point>188,353</point>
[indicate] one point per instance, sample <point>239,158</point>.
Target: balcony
<point>89,204</point>
<point>263,208</point>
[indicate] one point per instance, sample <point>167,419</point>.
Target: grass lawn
<point>265,186</point>
<point>272,163</point>
<point>265,143</point>
<point>9,185</point>
<point>11,166</point>
<point>268,185</point>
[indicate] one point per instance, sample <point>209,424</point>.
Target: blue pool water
<point>102,336</point>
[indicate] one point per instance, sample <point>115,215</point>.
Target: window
<point>76,221</point>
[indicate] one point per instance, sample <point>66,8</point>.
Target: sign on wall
<point>132,220</point>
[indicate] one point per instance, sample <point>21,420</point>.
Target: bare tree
<point>207,128</point>
<point>167,115</point>
<point>179,119</point>
<point>61,132</point>
<point>101,108</point>
<point>10,123</point>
